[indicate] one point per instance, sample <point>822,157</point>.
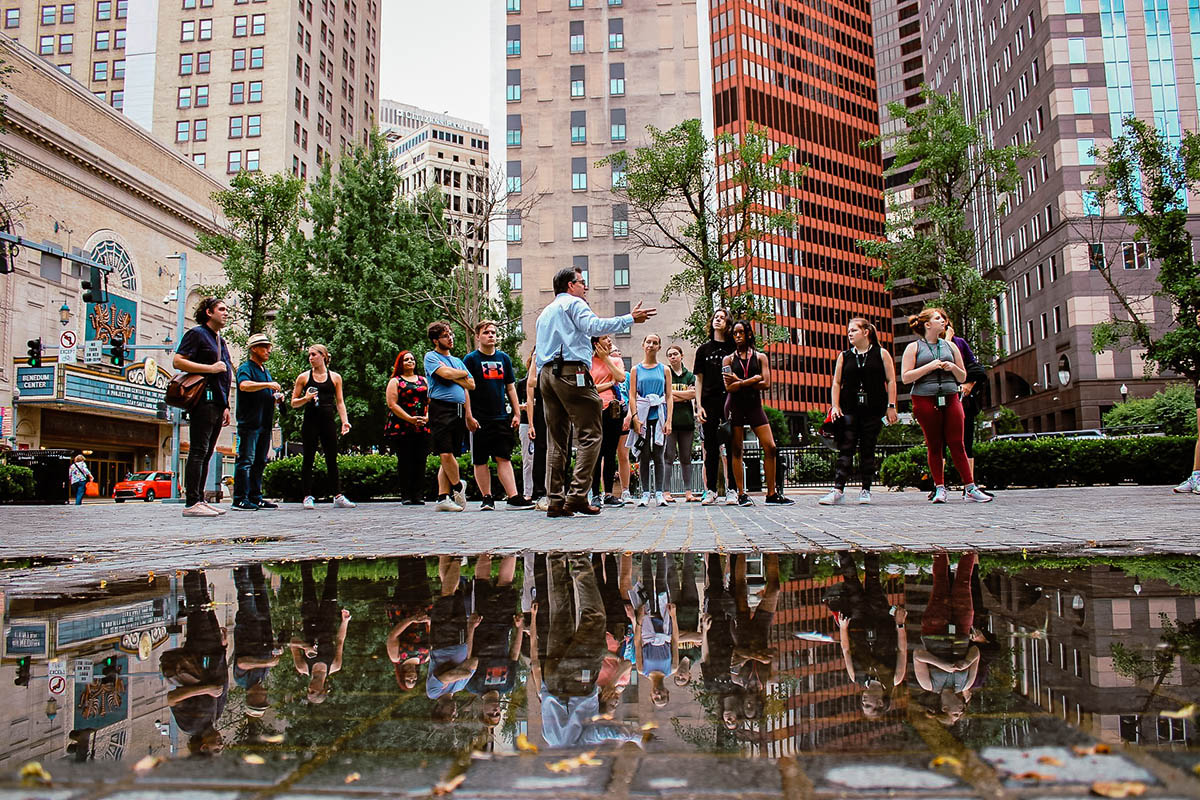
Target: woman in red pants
<point>933,368</point>
<point>947,662</point>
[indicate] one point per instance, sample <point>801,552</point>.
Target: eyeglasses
<point>581,282</point>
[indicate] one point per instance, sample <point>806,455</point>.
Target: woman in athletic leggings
<point>933,368</point>
<point>650,410</point>
<point>318,391</point>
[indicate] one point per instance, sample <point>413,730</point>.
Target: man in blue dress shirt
<point>564,357</point>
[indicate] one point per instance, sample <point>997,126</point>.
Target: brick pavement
<point>113,540</point>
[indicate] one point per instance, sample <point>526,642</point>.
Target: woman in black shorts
<point>746,375</point>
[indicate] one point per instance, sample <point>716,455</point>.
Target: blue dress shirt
<point>567,326</point>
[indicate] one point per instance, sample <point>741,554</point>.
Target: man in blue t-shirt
<point>257,393</point>
<point>493,416</point>
<point>452,659</point>
<point>449,381</point>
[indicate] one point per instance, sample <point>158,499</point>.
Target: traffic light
<point>35,352</point>
<point>117,346</point>
<point>109,670</point>
<point>22,678</point>
<point>95,288</point>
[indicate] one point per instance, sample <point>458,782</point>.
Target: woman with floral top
<point>407,427</point>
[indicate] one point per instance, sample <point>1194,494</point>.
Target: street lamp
<point>64,315</point>
<point>1124,393</point>
<point>51,709</point>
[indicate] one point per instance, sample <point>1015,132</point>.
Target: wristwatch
<point>891,405</point>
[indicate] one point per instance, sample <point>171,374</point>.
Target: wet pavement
<point>995,672</point>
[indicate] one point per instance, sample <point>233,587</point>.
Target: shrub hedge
<point>16,483</point>
<point>1055,462</point>
<point>367,477</point>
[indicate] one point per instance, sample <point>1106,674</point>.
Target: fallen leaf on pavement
<point>254,758</point>
<point>1187,712</point>
<point>34,774</point>
<point>526,746</point>
<point>946,761</point>
<point>1118,788</point>
<point>446,787</point>
<point>1050,761</point>
<point>352,777</point>
<point>1036,776</point>
<point>1094,750</point>
<point>147,763</point>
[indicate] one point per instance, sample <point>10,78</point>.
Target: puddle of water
<point>544,675</point>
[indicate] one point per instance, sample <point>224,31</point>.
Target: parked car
<point>144,486</point>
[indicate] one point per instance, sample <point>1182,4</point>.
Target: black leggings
<point>410,464</point>
<point>321,428</point>
<point>606,465</point>
<point>652,453</point>
<point>714,412</point>
<point>860,432</point>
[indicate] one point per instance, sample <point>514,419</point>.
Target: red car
<point>144,486</point>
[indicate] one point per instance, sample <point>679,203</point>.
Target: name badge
<point>941,401</point>
<point>579,379</point>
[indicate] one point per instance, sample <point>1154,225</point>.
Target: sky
<point>435,55</point>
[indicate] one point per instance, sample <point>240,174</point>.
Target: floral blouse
<point>413,397</point>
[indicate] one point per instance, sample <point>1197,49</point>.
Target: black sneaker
<point>519,503</point>
<point>778,499</point>
<point>488,504</point>
<point>267,504</point>
<point>244,505</point>
<point>744,500</point>
<point>610,500</point>
<point>413,502</point>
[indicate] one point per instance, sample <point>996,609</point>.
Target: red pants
<point>943,427</point>
<point>948,605</point>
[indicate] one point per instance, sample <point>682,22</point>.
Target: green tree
<point>1007,421</point>
<point>1142,183</point>
<point>671,189</point>
<point>262,215</point>
<point>348,279</point>
<point>930,241</point>
<point>1172,409</point>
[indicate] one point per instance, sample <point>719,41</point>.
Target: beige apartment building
<point>583,79</point>
<point>235,84</point>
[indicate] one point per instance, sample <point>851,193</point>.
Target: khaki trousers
<point>566,404</point>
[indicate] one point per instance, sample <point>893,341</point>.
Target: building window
<point>252,160</point>
<point>620,221</point>
<point>203,63</point>
<point>1085,147</point>
<point>620,309</point>
<point>122,9</point>
<point>1077,51</point>
<point>1096,256</point>
<point>514,274</point>
<point>46,46</point>
<point>12,17</point>
<point>118,69</point>
<point>578,127</point>
<point>65,69</point>
<point>574,3</point>
<point>256,58</point>
<point>118,100</point>
<point>254,125</point>
<point>513,181</point>
<point>512,40</point>
<point>184,97</point>
<point>258,27</point>
<point>1058,319</point>
<point>237,93</point>
<point>182,129</point>
<point>255,92</point>
<point>187,31</point>
<point>1073,6</point>
<point>621,271</point>
<point>513,228</point>
<point>579,226</point>
<point>66,43</point>
<point>513,85</point>
<point>617,118</point>
<point>578,174</point>
<point>186,63</point>
<point>616,79</point>
<point>100,71</point>
<point>200,130</point>
<point>618,174</point>
<point>1136,255</point>
<point>512,6</point>
<point>119,39</point>
<point>205,29</point>
<point>239,59</point>
<point>577,75</point>
<point>67,15</point>
<point>1083,101</point>
<point>616,34</point>
<point>240,25</point>
<point>104,9</point>
<point>576,31</point>
<point>235,127</point>
<point>199,159</point>
<point>202,96</point>
<point>102,40</point>
<point>49,14</point>
<point>233,162</point>
<point>513,130</point>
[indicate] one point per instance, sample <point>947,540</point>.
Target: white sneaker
<point>310,503</point>
<point>220,511</point>
<point>939,495</point>
<point>1192,484</point>
<point>864,497</point>
<point>658,499</point>
<point>973,494</point>
<point>710,497</point>
<point>447,504</point>
<point>644,500</point>
<point>341,502</point>
<point>731,498</point>
<point>200,510</point>
<point>543,503</point>
<point>833,498</point>
<point>626,497</point>
<point>460,496</point>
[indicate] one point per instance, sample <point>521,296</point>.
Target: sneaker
<point>267,504</point>
<point>658,499</point>
<point>939,495</point>
<point>447,504</point>
<point>488,504</point>
<point>200,510</point>
<point>341,502</point>
<point>644,500</point>
<point>833,498</point>
<point>780,499</point>
<point>1192,484</point>
<point>543,503</point>
<point>744,500</point>
<point>220,511</point>
<point>244,505</point>
<point>731,498</point>
<point>626,497</point>
<point>864,497</point>
<point>610,500</point>
<point>519,502</point>
<point>710,497</point>
<point>973,494</point>
<point>460,496</point>
<point>666,498</point>
<point>310,503</point>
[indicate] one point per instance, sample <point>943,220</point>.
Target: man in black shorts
<point>449,382</point>
<point>498,650</point>
<point>492,424</point>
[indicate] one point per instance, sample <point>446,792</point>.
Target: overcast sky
<point>435,55</point>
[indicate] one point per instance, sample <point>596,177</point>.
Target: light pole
<point>1124,393</point>
<point>176,414</point>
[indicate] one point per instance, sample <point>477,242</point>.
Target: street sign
<point>83,670</point>
<point>67,340</point>
<point>93,351</point>
<point>58,677</point>
<point>67,355</point>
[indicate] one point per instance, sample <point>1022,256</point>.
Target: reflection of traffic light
<point>117,345</point>
<point>22,678</point>
<point>95,289</point>
<point>35,352</point>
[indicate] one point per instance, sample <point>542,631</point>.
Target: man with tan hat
<point>257,393</point>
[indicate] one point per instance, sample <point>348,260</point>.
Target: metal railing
<point>802,467</point>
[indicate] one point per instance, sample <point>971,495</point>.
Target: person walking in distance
<point>683,421</point>
<point>78,475</point>
<point>449,381</point>
<point>318,391</point>
<point>933,368</point>
<point>492,423</point>
<point>864,379</point>
<point>257,394</point>
<point>564,355</point>
<point>607,372</point>
<point>650,409</point>
<point>710,386</point>
<point>202,351</point>
<point>406,429</point>
<point>746,374</point>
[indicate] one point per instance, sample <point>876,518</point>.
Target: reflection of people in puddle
<point>199,670</point>
<point>874,643</point>
<point>716,653</point>
<point>681,588</point>
<point>254,647</point>
<point>318,654</point>
<point>452,659</point>
<point>617,667</point>
<point>752,654</point>
<point>656,632</point>
<point>947,662</point>
<point>497,649</point>
<point>408,613</point>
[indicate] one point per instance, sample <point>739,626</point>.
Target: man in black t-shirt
<point>711,388</point>
<point>497,649</point>
<point>492,422</point>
